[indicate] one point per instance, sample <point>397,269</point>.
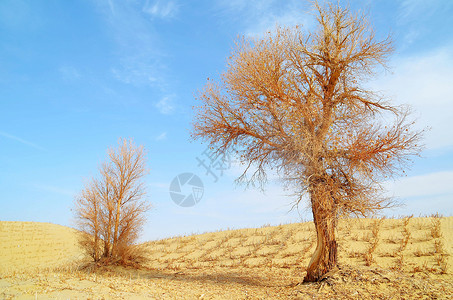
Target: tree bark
<point>116,226</point>
<point>107,241</point>
<point>324,258</point>
<point>96,230</point>
<point>96,246</point>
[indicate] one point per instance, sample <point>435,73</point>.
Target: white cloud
<point>425,206</point>
<point>425,81</point>
<point>20,140</point>
<point>258,17</point>
<point>268,23</point>
<point>130,72</point>
<point>166,105</point>
<point>223,207</point>
<point>161,136</point>
<point>161,9</point>
<point>413,10</point>
<point>427,185</point>
<point>413,15</point>
<point>423,194</point>
<point>140,59</point>
<point>111,7</point>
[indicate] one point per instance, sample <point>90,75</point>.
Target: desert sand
<point>404,258</point>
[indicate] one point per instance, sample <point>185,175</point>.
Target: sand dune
<point>290,245</point>
<point>32,245</point>
<point>402,258</point>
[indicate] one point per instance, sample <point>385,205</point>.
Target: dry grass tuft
<point>373,241</point>
<point>440,255</point>
<point>266,262</point>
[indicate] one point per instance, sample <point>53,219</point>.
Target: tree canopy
<point>296,102</point>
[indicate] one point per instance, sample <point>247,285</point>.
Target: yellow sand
<point>408,261</point>
<point>32,245</point>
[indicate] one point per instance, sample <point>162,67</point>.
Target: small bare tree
<point>88,221</point>
<point>296,102</point>
<point>110,210</point>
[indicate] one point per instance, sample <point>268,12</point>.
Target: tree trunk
<point>324,258</point>
<point>116,227</point>
<point>107,236</point>
<point>96,246</point>
<point>96,231</point>
<point>106,249</point>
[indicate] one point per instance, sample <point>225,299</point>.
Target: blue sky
<point>77,75</point>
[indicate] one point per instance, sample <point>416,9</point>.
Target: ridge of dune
<point>34,245</point>
<point>407,258</point>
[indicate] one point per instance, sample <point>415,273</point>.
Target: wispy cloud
<point>425,81</point>
<point>166,105</point>
<point>20,140</point>
<point>111,6</point>
<point>413,15</point>
<point>161,136</point>
<point>221,208</point>
<point>140,58</point>
<point>413,10</point>
<point>416,191</point>
<point>426,185</point>
<point>260,16</point>
<point>161,9</point>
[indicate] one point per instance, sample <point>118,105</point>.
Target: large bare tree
<point>110,210</point>
<point>296,102</point>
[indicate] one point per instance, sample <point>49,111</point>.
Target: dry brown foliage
<point>295,102</point>
<point>110,209</point>
<point>373,242</point>
<point>406,233</point>
<point>440,255</point>
<point>435,229</point>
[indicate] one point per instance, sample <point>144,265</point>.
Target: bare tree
<point>295,102</point>
<point>87,215</point>
<point>111,208</point>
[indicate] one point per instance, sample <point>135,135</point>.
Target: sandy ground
<point>32,245</point>
<point>405,258</point>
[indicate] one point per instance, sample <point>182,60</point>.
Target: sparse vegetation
<point>406,234</point>
<point>435,228</point>
<point>110,210</point>
<point>440,255</point>
<point>265,262</point>
<point>373,241</point>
